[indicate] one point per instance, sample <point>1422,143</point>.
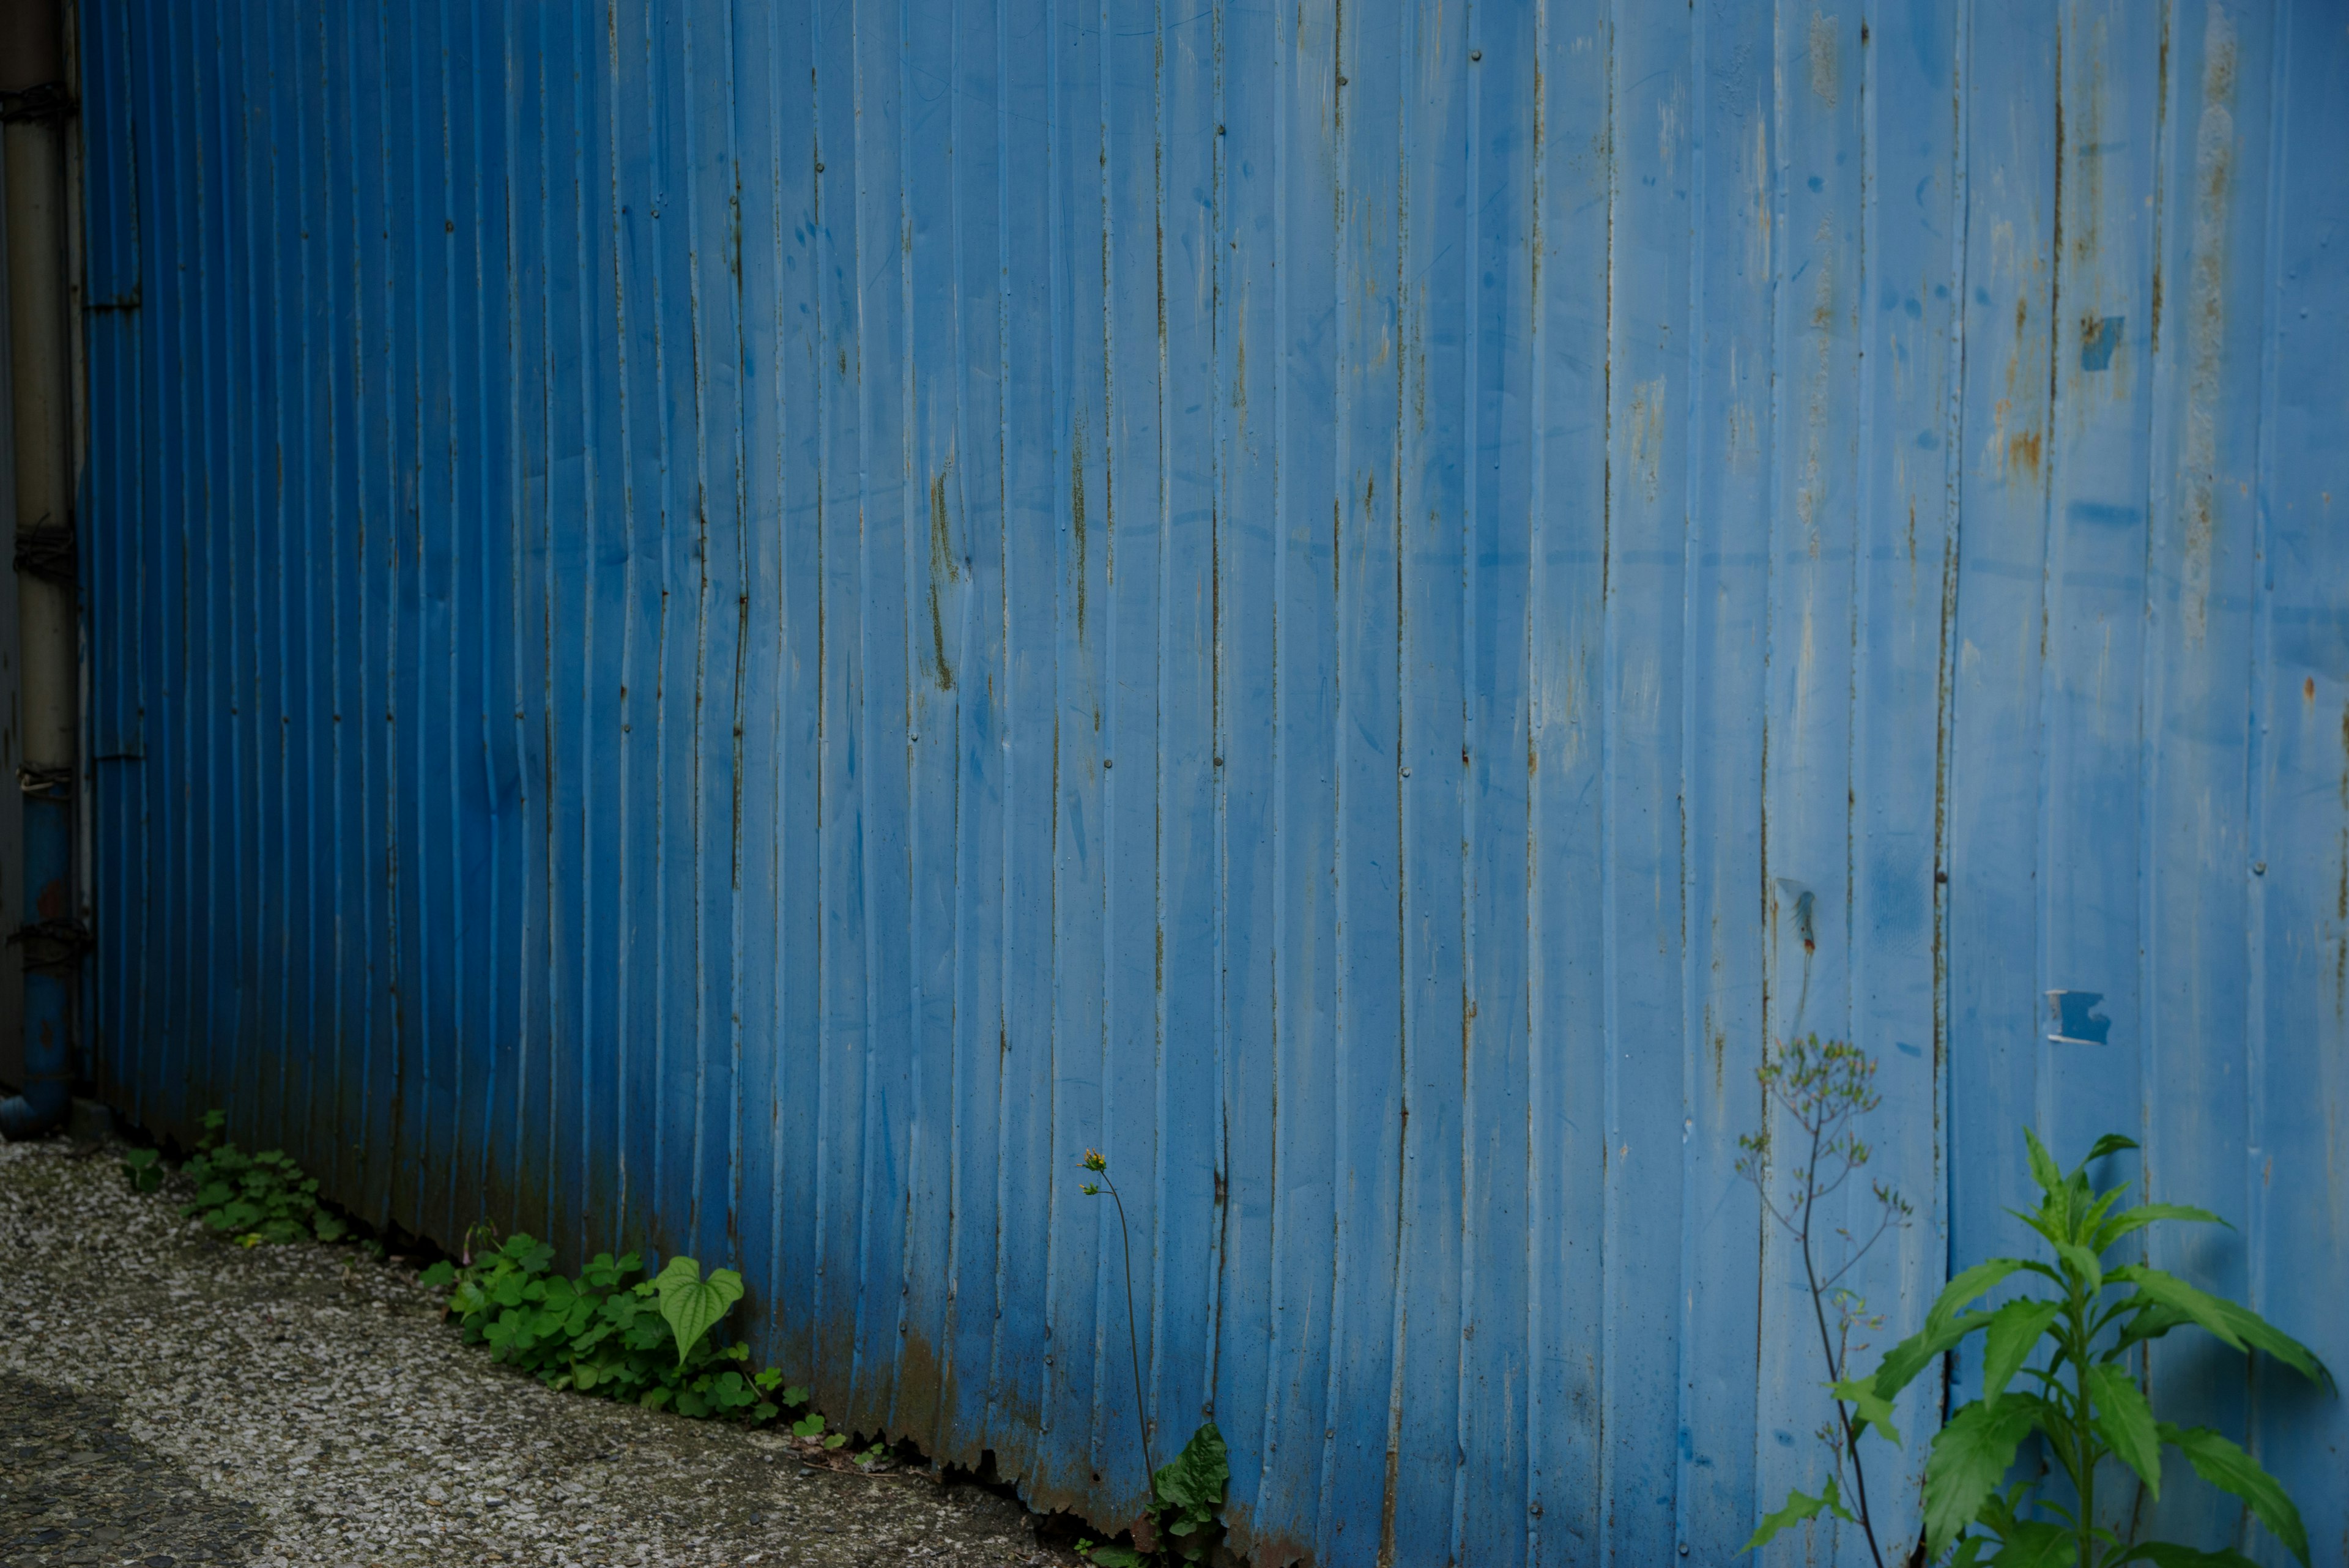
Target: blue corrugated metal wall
<point>744,628</point>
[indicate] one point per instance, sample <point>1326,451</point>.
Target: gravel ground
<point>168,1398</point>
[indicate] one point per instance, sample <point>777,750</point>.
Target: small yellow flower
<point>1094,1161</point>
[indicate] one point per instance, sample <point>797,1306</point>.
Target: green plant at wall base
<point>1186,1494</point>
<point>811,1425</point>
<point>1822,1089</point>
<point>143,1168</point>
<point>608,1330</point>
<point>254,1197</point>
<point>2084,1398</point>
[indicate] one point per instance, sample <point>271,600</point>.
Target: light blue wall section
<point>740,628</point>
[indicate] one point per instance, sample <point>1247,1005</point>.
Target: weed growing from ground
<point>253,1198</point>
<point>1187,1493</point>
<point>2086,1398</point>
<point>809,1429</point>
<point>609,1331</point>
<point>143,1168</point>
<point>1824,1090</point>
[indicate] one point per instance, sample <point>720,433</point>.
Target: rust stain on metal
<point>1077,517</point>
<point>2022,451</point>
<point>943,564</point>
<point>2084,183</point>
<point>2206,321</point>
<point>1823,58</point>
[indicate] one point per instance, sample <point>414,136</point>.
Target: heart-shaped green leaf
<point>692,1305</point>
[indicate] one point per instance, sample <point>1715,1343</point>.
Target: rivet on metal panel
<point>1406,772</point>
<point>2258,868</point>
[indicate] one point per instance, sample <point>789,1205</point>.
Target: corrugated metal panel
<point>744,628</point>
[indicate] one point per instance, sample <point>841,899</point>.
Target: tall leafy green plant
<point>1822,1089</point>
<point>2083,1396</point>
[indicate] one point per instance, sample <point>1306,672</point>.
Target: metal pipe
<point>35,106</point>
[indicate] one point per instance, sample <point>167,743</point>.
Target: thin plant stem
<point>1132,1338</point>
<point>1835,1373</point>
<point>1100,1167</point>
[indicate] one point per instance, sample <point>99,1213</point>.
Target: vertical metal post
<point>37,105</point>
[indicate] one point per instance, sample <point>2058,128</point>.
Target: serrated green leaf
<point>2043,1167</point>
<point>2130,1221</point>
<point>2094,1217</point>
<point>2257,1332</point>
<point>2111,1143</point>
<point>2084,1263</point>
<point>2149,1321</point>
<point>2165,1555</point>
<point>1905,1360</point>
<point>1971,1454</point>
<point>1873,1409</point>
<point>2014,1330</point>
<point>1799,1509</point>
<point>1970,1286</point>
<point>2034,1544</point>
<point>1116,1557</point>
<point>692,1304</point>
<point>2236,1326</point>
<point>2222,1464</point>
<point>2124,1420</point>
<point>2198,1306</point>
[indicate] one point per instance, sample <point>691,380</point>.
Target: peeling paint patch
<point>2099,336</point>
<point>2073,1019</point>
